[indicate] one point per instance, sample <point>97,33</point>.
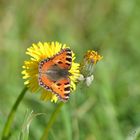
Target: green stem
<point>51,121</point>
<point>8,124</point>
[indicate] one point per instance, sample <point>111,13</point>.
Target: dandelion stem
<point>8,124</point>
<point>51,121</point>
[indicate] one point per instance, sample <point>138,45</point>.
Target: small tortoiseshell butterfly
<point>54,73</point>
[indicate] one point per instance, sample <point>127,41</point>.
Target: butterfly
<point>54,74</point>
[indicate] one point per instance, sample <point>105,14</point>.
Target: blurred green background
<point>110,108</point>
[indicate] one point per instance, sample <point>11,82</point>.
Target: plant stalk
<point>51,121</point>
<point>6,130</point>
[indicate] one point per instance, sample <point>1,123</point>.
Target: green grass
<point>110,108</point>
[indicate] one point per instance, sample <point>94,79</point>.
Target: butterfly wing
<point>63,59</point>
<point>61,86</point>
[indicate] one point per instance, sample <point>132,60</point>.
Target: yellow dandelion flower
<point>52,70</point>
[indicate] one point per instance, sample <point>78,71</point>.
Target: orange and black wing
<point>63,59</point>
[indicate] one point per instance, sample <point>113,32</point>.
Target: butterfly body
<point>54,73</point>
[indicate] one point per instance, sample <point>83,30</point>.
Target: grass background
<point>110,108</point>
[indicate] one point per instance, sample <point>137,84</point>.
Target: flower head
<point>92,56</point>
<point>87,67</point>
<point>45,51</point>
